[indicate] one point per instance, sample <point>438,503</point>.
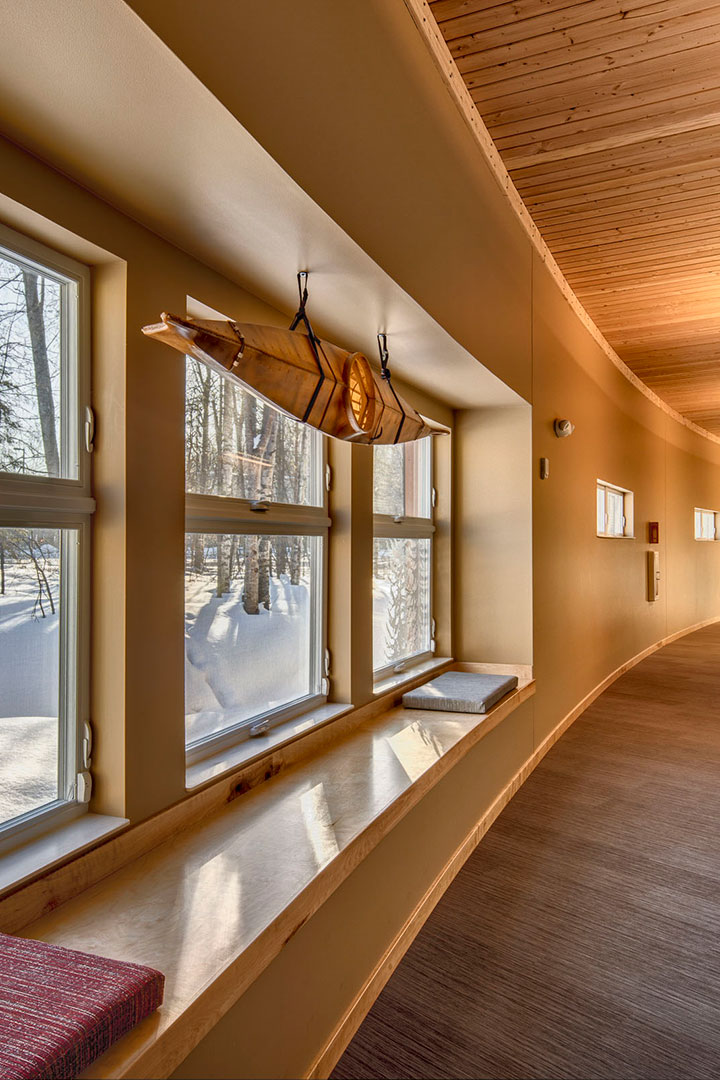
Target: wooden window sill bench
<point>213,905</point>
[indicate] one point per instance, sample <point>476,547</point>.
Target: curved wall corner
<point>591,615</point>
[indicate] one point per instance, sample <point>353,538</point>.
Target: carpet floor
<point>582,938</point>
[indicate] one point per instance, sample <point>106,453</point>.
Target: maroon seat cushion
<point>61,1009</point>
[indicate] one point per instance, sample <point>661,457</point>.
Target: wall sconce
<point>563,428</point>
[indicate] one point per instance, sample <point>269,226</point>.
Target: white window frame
<point>716,524</point>
<point>628,510</point>
<point>389,526</point>
<point>64,503</point>
<point>220,514</point>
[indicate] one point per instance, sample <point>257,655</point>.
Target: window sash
<point>411,527</point>
<point>416,500</point>
<point>74,281</point>
<point>65,503</point>
<point>266,719</point>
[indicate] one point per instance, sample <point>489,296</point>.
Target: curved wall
<point>591,614</point>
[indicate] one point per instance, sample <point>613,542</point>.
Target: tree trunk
<point>2,569</point>
<point>43,386</point>
<point>251,592</point>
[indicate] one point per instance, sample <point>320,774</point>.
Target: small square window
<point>615,507</point>
<point>707,524</point>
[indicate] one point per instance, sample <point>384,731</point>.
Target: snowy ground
<point>238,665</point>
<point>28,703</point>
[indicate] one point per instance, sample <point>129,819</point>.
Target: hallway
<point>581,938</point>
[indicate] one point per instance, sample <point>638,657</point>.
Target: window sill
<point>411,674</point>
<point>250,750</point>
<point>261,866</point>
<point>615,536</point>
<point>54,846</point>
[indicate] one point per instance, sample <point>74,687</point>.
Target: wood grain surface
<point>581,938</point>
<point>607,117</point>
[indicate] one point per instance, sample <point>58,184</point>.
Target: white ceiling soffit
<point>89,88</point>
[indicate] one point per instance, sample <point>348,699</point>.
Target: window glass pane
<point>238,446</point>
<point>29,669</point>
<point>401,479</point>
<point>708,525</point>
<point>615,505</point>
<point>30,373</point>
<point>252,627</point>
<point>401,599</point>
<point>601,510</point>
<point>698,524</point>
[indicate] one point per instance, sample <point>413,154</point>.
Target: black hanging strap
<point>385,374</point>
<point>301,317</point>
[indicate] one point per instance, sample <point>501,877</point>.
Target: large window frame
<point>228,515</point>
<point>415,528</point>
<point>63,503</point>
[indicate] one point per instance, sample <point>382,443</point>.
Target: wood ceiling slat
<point>601,212</point>
<point>564,48</point>
<point>620,135</point>
<point>686,228</point>
<point>616,53</point>
<point>612,89</point>
<point>688,177</point>
<point>484,31</point>
<point>607,115</point>
<point>683,151</point>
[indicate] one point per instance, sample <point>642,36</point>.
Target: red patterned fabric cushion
<point>60,1009</point>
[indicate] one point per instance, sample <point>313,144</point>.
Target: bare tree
<point>34,304</point>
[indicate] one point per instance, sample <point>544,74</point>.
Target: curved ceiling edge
<point>428,28</point>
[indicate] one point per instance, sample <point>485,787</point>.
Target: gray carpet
<point>582,939</point>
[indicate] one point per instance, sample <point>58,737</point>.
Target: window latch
<point>328,478</point>
<point>89,429</point>
<point>328,663</point>
<point>87,741</point>
<point>261,728</point>
<point>83,787</point>
<point>259,507</point>
<point>398,519</point>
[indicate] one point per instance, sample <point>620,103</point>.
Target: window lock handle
<point>259,507</point>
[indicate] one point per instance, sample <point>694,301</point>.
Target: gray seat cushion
<point>460,691</point>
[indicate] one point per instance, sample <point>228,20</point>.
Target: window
<point>45,510</point>
<point>254,564</point>
<point>614,510</point>
<point>707,524</point>
<point>402,556</point>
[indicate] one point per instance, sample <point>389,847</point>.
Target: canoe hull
<point>332,390</point>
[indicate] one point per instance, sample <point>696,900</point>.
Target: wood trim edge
<point>359,1008</point>
<point>430,32</point>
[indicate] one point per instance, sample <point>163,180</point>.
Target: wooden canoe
<point>332,390</point>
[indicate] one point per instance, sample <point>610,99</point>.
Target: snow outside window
<point>44,572</point>
<point>402,556</point>
<point>707,524</point>
<point>614,510</point>
<point>254,564</point>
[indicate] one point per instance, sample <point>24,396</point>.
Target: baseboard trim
<point>361,1005</point>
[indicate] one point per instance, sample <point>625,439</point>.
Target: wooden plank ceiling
<point>607,116</point>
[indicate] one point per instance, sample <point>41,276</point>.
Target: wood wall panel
<point>607,116</point>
